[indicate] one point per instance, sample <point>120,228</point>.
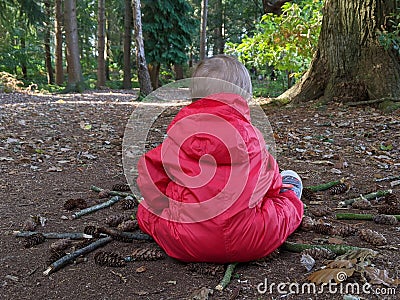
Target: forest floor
<point>55,147</point>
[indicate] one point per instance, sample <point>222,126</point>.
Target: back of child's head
<point>221,74</point>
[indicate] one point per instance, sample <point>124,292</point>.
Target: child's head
<point>219,74</point>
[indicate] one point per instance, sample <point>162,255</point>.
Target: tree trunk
<point>101,44</point>
<point>178,70</point>
<point>75,77</point>
<point>273,6</point>
<point>350,64</point>
<point>127,84</point>
<point>24,67</point>
<point>143,72</point>
<point>154,71</point>
<point>219,43</point>
<point>58,57</point>
<point>203,29</point>
<point>47,49</point>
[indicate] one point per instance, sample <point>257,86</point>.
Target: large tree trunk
<point>127,84</point>
<point>75,77</point>
<point>143,72</point>
<point>47,49</point>
<point>154,72</point>
<point>203,29</point>
<point>219,43</point>
<point>350,64</point>
<point>101,44</point>
<point>58,57</point>
<point>178,70</point>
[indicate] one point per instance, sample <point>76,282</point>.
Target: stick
<point>227,277</point>
<point>55,235</point>
<point>371,101</point>
<point>137,236</point>
<point>370,196</point>
<point>113,193</point>
<point>337,249</point>
<point>97,207</point>
<point>389,178</point>
<point>324,186</point>
<point>55,266</point>
<point>350,216</point>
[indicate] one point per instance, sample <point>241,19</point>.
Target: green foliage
<point>168,29</point>
<point>286,42</point>
<point>389,36</point>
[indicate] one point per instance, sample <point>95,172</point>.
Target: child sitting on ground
<point>212,192</point>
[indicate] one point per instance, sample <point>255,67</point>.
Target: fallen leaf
<point>141,269</point>
<point>201,294</point>
<point>54,169</point>
<point>341,264</point>
<point>378,276</point>
<point>326,275</point>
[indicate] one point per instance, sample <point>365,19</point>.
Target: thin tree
<point>58,53</point>
<point>75,77</point>
<point>350,63</point>
<point>203,29</point>
<point>128,18</point>
<point>143,72</point>
<point>47,49</point>
<point>101,44</point>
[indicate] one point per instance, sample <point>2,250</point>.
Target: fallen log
<point>55,235</point>
<point>337,249</point>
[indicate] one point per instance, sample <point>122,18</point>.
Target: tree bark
<point>127,84</point>
<point>143,72</point>
<point>101,44</point>
<point>203,29</point>
<point>178,70</point>
<point>350,65</point>
<point>58,57</point>
<point>219,43</point>
<point>47,49</point>
<point>154,72</point>
<point>75,77</point>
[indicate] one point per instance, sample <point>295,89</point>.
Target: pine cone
<point>60,245</point>
<point>391,199</point>
<point>323,228</point>
<point>320,211</point>
<point>307,223</point>
<point>309,195</point>
<point>385,219</point>
<point>207,269</point>
<point>362,204</point>
<point>75,203</point>
<point>104,194</point>
<point>147,254</point>
<point>121,187</point>
<point>372,237</point>
<point>129,225</point>
<point>388,209</point>
<point>109,259</point>
<point>319,253</point>
<point>114,221</point>
<point>339,189</point>
<point>34,239</point>
<point>29,225</point>
<point>344,230</point>
<point>55,255</point>
<point>91,230</point>
<point>127,203</point>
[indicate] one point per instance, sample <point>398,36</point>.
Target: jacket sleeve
<point>153,181</point>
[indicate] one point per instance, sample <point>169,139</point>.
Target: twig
<point>97,207</point>
<point>136,236</point>
<point>350,216</point>
<point>372,101</point>
<point>324,186</point>
<point>337,249</point>
<point>389,178</point>
<point>113,193</point>
<point>227,277</point>
<point>55,266</point>
<point>370,196</point>
<point>55,235</point>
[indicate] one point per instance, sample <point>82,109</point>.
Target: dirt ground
<point>55,147</point>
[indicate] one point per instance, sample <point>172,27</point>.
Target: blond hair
<point>221,73</point>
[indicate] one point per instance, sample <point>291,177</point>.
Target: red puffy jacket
<point>211,190</point>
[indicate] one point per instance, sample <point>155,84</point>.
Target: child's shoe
<point>292,181</point>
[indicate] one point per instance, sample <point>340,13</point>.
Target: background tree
<point>128,19</point>
<point>143,73</point>
<point>58,51</point>
<point>203,29</point>
<point>47,42</point>
<point>351,64</point>
<point>75,76</point>
<point>101,44</point>
<point>168,29</point>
